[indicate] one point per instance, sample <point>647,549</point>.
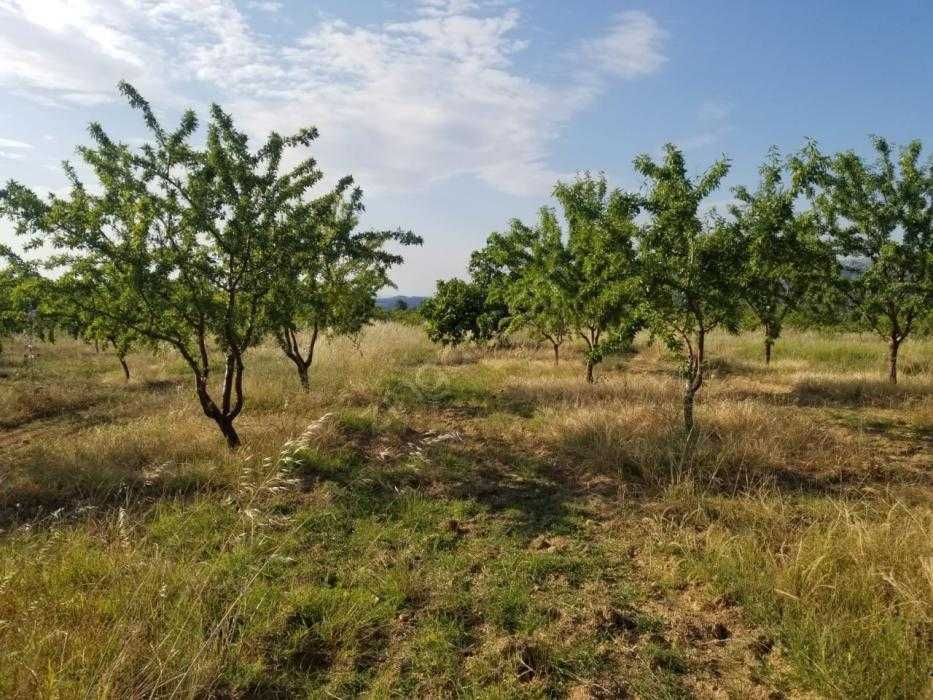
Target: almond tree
<point>599,270</point>
<point>538,298</point>
<point>328,280</point>
<point>10,320</point>
<point>879,218</point>
<point>27,300</point>
<point>454,314</point>
<point>89,312</point>
<point>190,240</point>
<point>495,269</point>
<point>784,259</point>
<point>689,266</point>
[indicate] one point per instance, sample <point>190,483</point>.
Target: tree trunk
<point>768,344</point>
<point>226,427</point>
<point>289,342</point>
<point>232,399</point>
<point>694,378</point>
<point>589,372</point>
<point>126,368</point>
<point>303,375</point>
<point>689,393</point>
<point>556,354</point>
<point>892,360</point>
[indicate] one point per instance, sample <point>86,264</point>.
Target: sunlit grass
<point>433,523</point>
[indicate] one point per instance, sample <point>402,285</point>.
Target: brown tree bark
<point>288,340</point>
<point>229,432</point>
<point>688,409</point>
<point>232,395</point>
<point>694,377</point>
<point>892,359</point>
<point>126,368</point>
<point>768,345</point>
<point>303,378</point>
<point>592,341</point>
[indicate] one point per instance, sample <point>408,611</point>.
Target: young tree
<point>689,268</point>
<point>96,317</point>
<point>455,313</point>
<point>10,319</point>
<point>191,240</point>
<point>879,217</point>
<point>599,269</point>
<point>537,298</point>
<point>495,268</point>
<point>328,279</point>
<point>27,300</point>
<point>784,259</point>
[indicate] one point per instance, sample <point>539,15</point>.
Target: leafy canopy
<point>784,261</point>
<point>879,218</point>
<point>689,266</point>
<point>191,245</point>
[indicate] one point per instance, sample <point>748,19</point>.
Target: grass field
<point>428,523</point>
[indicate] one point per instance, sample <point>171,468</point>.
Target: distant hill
<point>392,302</point>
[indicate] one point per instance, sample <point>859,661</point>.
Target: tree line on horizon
<point>210,249</point>
<point>858,255</point>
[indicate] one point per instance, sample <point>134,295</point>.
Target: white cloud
<point>633,46</point>
<point>399,104</point>
<point>265,5</point>
<point>715,111</point>
<point>12,143</point>
<point>411,102</point>
<point>447,8</point>
<point>714,118</point>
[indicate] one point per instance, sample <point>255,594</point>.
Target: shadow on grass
<point>855,394</point>
<point>382,467</point>
<point>48,509</point>
<point>542,482</point>
<point>841,393</point>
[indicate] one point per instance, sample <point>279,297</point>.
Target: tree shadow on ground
<point>830,393</point>
<point>133,493</point>
<point>857,394</point>
<point>500,478</point>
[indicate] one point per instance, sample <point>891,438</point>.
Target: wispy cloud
<point>633,46</point>
<point>11,149</point>
<point>265,5</point>
<point>431,97</point>
<point>714,118</point>
<point>12,143</point>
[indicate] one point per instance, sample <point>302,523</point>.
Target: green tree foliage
<point>88,311</point>
<point>28,301</point>
<point>328,281</point>
<point>598,273</point>
<point>538,298</point>
<point>784,260</point>
<point>494,269</point>
<point>191,242</point>
<point>11,321</point>
<point>879,217</point>
<point>690,268</point>
<point>456,313</point>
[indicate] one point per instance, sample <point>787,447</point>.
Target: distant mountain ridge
<point>392,302</point>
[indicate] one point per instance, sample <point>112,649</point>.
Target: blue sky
<point>457,115</point>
